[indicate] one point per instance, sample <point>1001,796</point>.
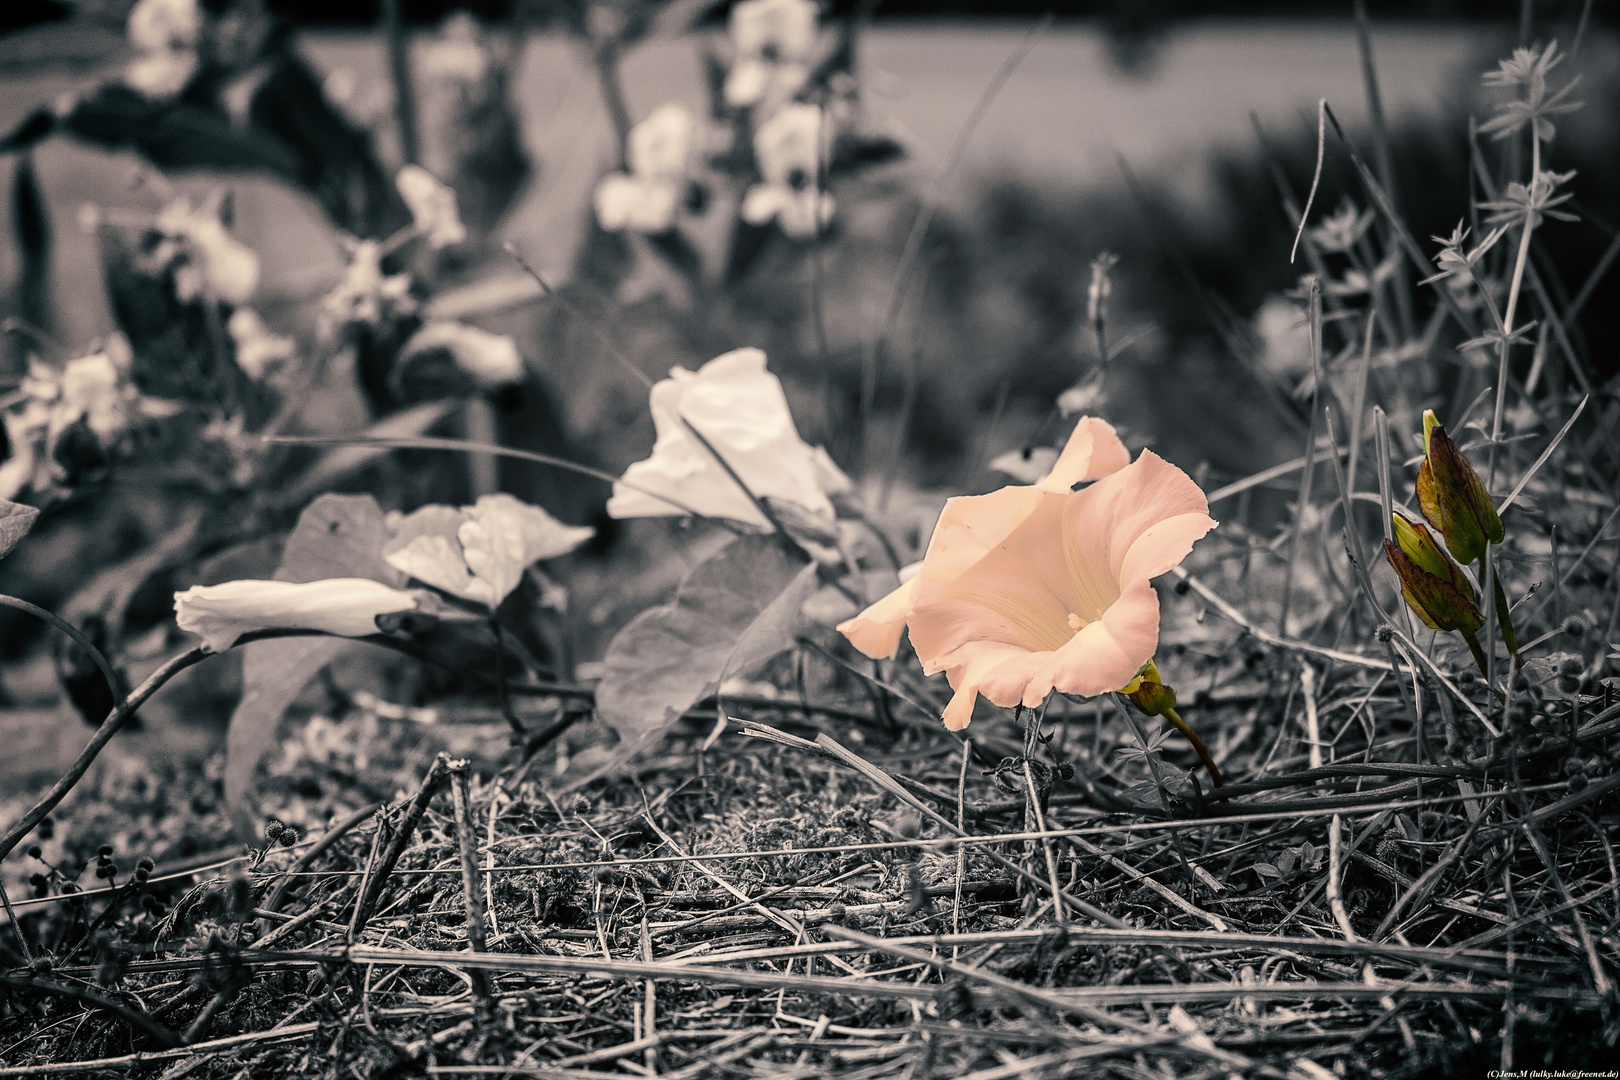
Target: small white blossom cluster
<point>92,394</point>
<point>209,263</point>
<point>774,42</point>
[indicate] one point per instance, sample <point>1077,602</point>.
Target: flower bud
<point>1432,584</point>
<point>220,614</point>
<point>1453,497</point>
<point>1148,692</point>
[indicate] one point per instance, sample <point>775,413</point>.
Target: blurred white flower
<point>161,74</point>
<point>1285,338</point>
<point>455,53</point>
<point>164,35</point>
<point>478,552</point>
<point>787,148</point>
<point>773,40</point>
<point>163,24</point>
<point>659,152</point>
<point>433,206</point>
<point>661,145</point>
<point>739,408</point>
<point>349,607</point>
<point>216,265</point>
<point>95,390</point>
<point>629,202</point>
<point>488,359</point>
<point>366,294</point>
<point>1030,465</point>
<point>257,348</point>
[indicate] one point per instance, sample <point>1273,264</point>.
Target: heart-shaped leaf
<point>337,536</point>
<point>733,612</point>
<point>15,522</point>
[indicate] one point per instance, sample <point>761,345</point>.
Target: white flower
<point>488,359</point>
<point>659,152</point>
<point>801,214</point>
<point>773,41</point>
<point>433,206</point>
<point>629,202</point>
<point>661,145</point>
<point>455,53</point>
<point>479,552</point>
<point>1285,337</point>
<point>154,25</point>
<point>257,348</point>
<point>365,294</point>
<point>217,264</point>
<point>787,148</point>
<point>349,607</point>
<point>161,74</point>
<point>739,407</point>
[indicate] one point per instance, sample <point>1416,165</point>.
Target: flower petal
<point>1092,452</point>
<point>501,536</point>
<point>739,408</point>
<point>427,546</point>
<point>220,614</point>
<point>876,631</point>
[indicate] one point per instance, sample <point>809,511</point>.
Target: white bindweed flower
<point>366,294</point>
<point>629,202</point>
<point>216,265</point>
<point>258,349</point>
<point>161,74</point>
<point>433,206</point>
<point>479,552</point>
<point>774,40</point>
<point>739,408</point>
<point>490,360</point>
<point>163,24</point>
<point>787,148</point>
<point>661,145</point>
<point>659,152</point>
<point>348,607</point>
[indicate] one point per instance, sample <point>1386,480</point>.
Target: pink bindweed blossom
<point>1035,588</point>
<point>348,607</point>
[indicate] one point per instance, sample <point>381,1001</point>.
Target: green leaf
<point>336,536</point>
<point>15,522</point>
<point>733,612</point>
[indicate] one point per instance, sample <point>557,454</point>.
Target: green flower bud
<point>1431,583</point>
<point>1453,497</point>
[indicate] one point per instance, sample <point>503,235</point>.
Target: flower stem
<point>1504,619</point>
<point>1197,744</point>
<point>1479,653</point>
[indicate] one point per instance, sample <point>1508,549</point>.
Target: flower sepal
<point>1453,497</point>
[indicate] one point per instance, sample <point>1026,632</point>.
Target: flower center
<point>1076,622</point>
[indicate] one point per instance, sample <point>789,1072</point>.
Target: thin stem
<point>109,727</point>
<point>107,672</point>
<point>1175,721</point>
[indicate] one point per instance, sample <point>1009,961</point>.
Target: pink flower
<point>349,607</point>
<point>1030,589</point>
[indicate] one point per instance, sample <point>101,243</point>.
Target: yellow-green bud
<point>1432,584</point>
<point>1453,497</point>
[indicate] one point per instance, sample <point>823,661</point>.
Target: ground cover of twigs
<point>829,892</point>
